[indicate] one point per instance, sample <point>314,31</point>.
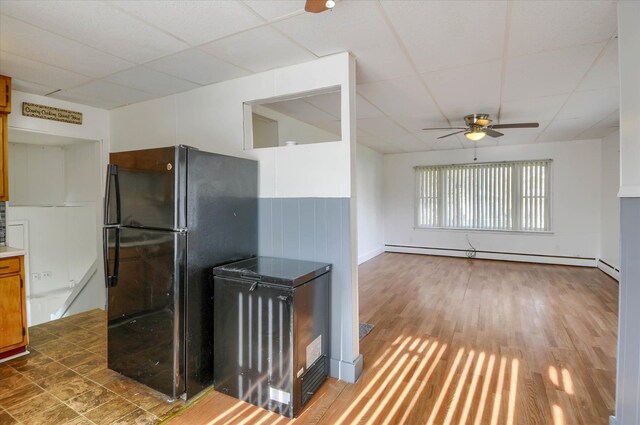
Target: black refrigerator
<point>170,215</point>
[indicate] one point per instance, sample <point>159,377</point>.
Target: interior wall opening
<point>53,211</point>
<point>312,117</point>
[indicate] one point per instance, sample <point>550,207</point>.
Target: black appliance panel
<point>222,221</point>
<point>251,311</point>
<point>277,271</point>
<point>144,331</point>
<point>149,188</point>
<point>253,344</point>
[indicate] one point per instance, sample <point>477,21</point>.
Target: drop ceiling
<point>419,63</point>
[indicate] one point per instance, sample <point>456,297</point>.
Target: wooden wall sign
<point>51,113</point>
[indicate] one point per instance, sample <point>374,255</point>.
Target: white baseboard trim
<point>613,420</point>
<point>369,255</point>
<point>608,269</point>
<point>345,371</point>
<point>487,255</point>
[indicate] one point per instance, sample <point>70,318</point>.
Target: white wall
<point>212,118</point>
<point>81,173</point>
<point>36,174</point>
<point>62,242</point>
<point>575,202</point>
<point>370,204</point>
<point>610,206</point>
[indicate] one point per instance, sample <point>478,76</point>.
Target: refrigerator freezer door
<point>222,217</point>
<point>145,332</point>
<point>151,190</point>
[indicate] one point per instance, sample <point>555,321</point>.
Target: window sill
<point>497,231</point>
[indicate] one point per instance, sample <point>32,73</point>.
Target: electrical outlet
<point>36,276</point>
<point>46,274</point>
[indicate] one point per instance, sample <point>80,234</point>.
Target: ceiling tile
<point>198,67</point>
<point>487,142</point>
<point>564,130</point>
<point>593,103</point>
<point>381,127</point>
<point>97,25</point>
<point>38,73</point>
<point>410,143</point>
<point>520,136</point>
<point>364,109</point>
<point>150,81</point>
<point>537,26</point>
<point>446,144</point>
<point>105,92</point>
<point>328,102</point>
<point>195,22</point>
<point>549,73</point>
<point>276,9</point>
<point>417,124</point>
<point>596,133</point>
<point>334,127</point>
<point>27,86</point>
<point>531,110</point>
<point>431,137</point>
<point>358,27</point>
<point>36,44</point>
<point>300,110</point>
<point>611,120</point>
<point>404,96</point>
<point>443,34</point>
<point>85,100</point>
<point>380,145</point>
<point>605,73</point>
<point>467,90</point>
<point>259,50</point>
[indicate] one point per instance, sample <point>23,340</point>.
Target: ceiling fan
<point>317,6</point>
<point>479,125</point>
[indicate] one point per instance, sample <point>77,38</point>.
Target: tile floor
<point>65,380</point>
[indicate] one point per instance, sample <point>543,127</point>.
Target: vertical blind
<point>489,196</point>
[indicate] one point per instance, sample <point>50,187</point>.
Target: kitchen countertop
<point>7,251</point>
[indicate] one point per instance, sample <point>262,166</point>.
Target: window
<point>510,196</point>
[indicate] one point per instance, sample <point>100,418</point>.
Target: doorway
<point>55,192</point>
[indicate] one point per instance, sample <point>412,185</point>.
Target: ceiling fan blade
<point>517,125</point>
<point>316,6</point>
<point>492,133</point>
<point>451,134</point>
<point>446,128</point>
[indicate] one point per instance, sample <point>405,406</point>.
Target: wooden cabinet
<point>5,94</point>
<point>4,158</point>
<point>13,309</point>
<point>5,109</point>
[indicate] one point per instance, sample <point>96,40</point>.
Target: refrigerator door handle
<point>111,280</point>
<point>112,173</point>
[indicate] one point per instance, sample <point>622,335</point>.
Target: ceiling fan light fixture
<point>330,4</point>
<point>475,135</point>
<point>483,122</point>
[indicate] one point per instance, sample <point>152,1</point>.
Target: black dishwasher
<point>271,331</point>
